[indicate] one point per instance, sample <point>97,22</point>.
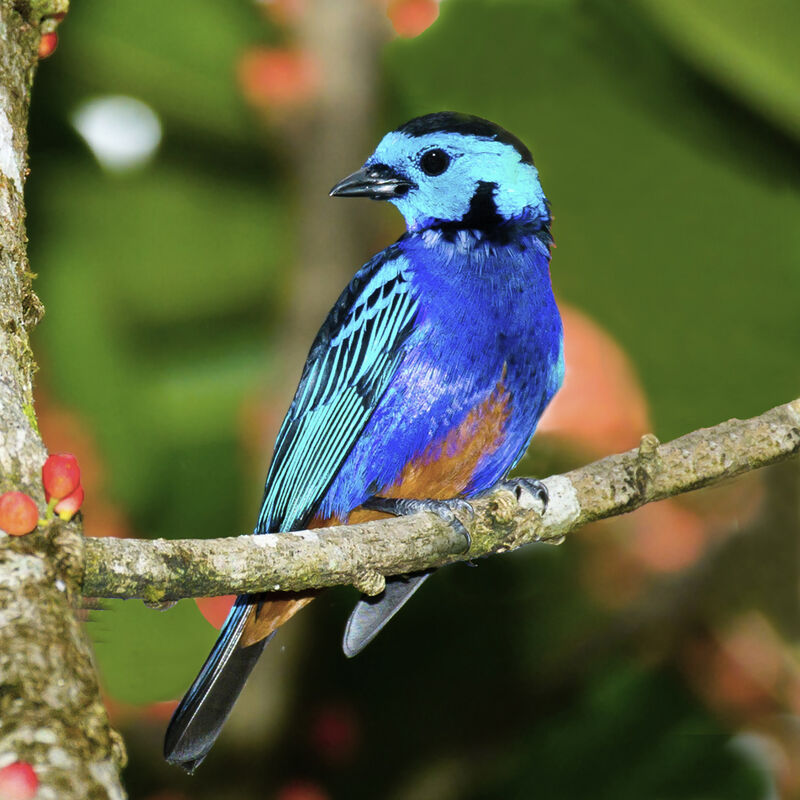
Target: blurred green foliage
<point>667,135</point>
<point>674,224</point>
<point>146,667</point>
<point>748,48</point>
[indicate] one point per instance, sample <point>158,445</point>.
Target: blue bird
<point>423,387</point>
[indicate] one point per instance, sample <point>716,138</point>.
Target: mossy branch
<point>363,554</point>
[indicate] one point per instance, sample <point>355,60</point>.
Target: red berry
<point>48,44</point>
<point>334,733</point>
<point>18,781</point>
<point>410,18</point>
<point>18,513</point>
<point>68,507</point>
<point>278,77</point>
<point>302,790</point>
<point>61,475</point>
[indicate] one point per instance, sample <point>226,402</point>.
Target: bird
<point>423,387</point>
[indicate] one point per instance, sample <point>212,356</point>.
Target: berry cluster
<point>61,477</point>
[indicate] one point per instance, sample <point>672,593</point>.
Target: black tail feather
<point>197,721</point>
<point>372,613</point>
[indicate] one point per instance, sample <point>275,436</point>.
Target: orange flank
<point>442,471</point>
<point>267,617</point>
<point>445,469</point>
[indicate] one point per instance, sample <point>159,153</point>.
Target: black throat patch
<point>482,214</point>
<point>484,217</point>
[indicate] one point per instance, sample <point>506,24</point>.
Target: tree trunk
<point>51,714</point>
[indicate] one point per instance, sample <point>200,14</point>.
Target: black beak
<point>377,181</point>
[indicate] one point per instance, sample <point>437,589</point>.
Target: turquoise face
<point>473,164</point>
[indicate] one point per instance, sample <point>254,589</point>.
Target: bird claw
<point>444,509</point>
<point>534,488</point>
<point>526,490</point>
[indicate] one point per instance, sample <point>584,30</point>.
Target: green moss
<point>34,11</point>
<point>153,595</point>
<point>29,412</point>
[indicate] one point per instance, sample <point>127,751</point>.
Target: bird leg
<point>444,509</point>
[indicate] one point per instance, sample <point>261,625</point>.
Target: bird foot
<point>444,509</point>
<point>526,490</point>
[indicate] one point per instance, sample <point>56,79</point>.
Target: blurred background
<point>187,251</point>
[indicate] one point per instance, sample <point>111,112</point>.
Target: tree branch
<point>362,554</point>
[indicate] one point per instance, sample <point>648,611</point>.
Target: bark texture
<point>51,714</point>
<point>362,555</point>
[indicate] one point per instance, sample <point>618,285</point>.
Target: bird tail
<point>201,714</point>
<point>371,614</point>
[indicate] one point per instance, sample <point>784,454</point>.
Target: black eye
<point>434,162</point>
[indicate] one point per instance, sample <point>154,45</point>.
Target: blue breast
<point>487,314</point>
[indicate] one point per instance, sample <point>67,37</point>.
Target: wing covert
<point>350,365</point>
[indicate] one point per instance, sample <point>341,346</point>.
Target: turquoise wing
<point>350,365</point>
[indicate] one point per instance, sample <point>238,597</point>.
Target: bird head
<point>452,170</point>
